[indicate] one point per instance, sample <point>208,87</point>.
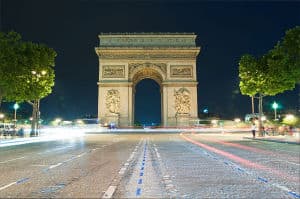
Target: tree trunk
<point>35,118</point>
<point>260,111</point>
<point>1,96</point>
<point>0,99</point>
<point>252,103</point>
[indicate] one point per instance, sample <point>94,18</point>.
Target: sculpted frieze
<point>181,70</point>
<point>148,56</point>
<point>147,41</point>
<point>133,66</point>
<point>112,101</point>
<point>182,101</point>
<point>113,71</point>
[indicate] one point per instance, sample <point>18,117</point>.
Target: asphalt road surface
<point>151,165</point>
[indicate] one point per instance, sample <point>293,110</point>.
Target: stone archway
<point>141,73</point>
<point>167,58</point>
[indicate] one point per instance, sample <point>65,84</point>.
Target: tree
<point>273,73</point>
<point>30,77</point>
<point>9,53</point>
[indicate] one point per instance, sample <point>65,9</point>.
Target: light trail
<point>240,160</point>
<point>252,149</point>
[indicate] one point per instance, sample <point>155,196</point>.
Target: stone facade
<point>126,59</point>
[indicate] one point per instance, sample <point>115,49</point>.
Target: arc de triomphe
<point>167,58</point>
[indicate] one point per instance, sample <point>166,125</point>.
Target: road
<point>156,165</point>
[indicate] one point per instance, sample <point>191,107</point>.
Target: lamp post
<point>275,106</point>
<point>2,117</point>
<point>16,106</point>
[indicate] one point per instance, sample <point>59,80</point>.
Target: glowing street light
<point>16,106</point>
<point>237,120</point>
<point>2,116</point>
<point>275,106</point>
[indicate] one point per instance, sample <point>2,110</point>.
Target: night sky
<point>226,30</point>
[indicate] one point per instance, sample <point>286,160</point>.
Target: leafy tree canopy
<point>276,71</point>
<point>27,71</point>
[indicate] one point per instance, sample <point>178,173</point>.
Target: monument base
<point>182,120</point>
<point>112,118</point>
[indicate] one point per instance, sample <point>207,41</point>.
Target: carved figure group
<point>113,101</point>
<point>182,101</point>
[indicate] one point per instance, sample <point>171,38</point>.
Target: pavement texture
<point>152,164</point>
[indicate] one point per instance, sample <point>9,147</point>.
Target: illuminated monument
<point>167,58</point>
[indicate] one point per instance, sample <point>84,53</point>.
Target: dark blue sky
<point>225,30</point>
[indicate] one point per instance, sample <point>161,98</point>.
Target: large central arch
<point>167,58</point>
<point>150,72</point>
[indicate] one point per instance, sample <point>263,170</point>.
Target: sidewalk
<point>290,139</point>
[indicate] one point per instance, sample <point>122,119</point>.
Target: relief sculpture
<point>161,66</point>
<point>181,71</point>
<point>113,71</point>
<point>182,101</point>
<point>113,101</point>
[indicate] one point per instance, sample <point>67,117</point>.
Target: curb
<point>272,140</point>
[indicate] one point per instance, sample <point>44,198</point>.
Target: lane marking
<point>6,186</point>
<point>20,181</point>
<point>262,179</point>
<point>12,160</point>
<point>109,192</point>
<point>122,170</point>
<point>68,160</point>
<point>294,194</point>
<point>138,191</point>
<point>140,181</point>
<point>56,165</point>
<point>39,165</point>
<point>112,188</point>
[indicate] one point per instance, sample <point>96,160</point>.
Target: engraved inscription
<point>181,71</point>
<point>113,71</point>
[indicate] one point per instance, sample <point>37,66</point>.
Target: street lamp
<point>16,106</point>
<point>275,106</point>
<point>2,117</point>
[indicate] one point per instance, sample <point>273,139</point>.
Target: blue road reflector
<point>22,180</point>
<point>141,174</point>
<point>242,170</point>
<point>140,181</point>
<point>138,191</point>
<point>262,179</point>
<point>296,195</point>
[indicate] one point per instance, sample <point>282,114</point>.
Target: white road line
<point>6,186</point>
<point>12,160</point>
<point>68,160</point>
<point>122,170</point>
<point>56,165</point>
<point>81,155</point>
<point>39,165</point>
<point>52,150</point>
<point>109,192</point>
<point>157,154</point>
